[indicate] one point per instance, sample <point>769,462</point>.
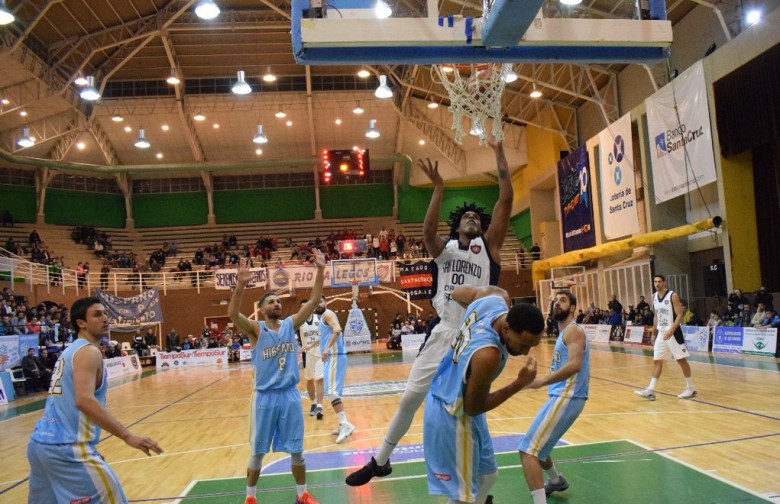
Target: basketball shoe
<point>319,413</point>
<point>313,410</point>
<point>688,393</point>
<point>560,486</point>
<point>646,393</point>
<point>306,498</point>
<point>345,430</point>
<point>250,499</point>
<point>368,471</point>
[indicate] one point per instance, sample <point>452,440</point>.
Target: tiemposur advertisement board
<point>678,122</point>
<point>189,358</point>
<point>618,190</point>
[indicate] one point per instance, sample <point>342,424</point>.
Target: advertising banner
<point>357,336</point>
<point>9,352</point>
<point>678,121</point>
<point>696,338</point>
<point>599,333</point>
<point>759,341</point>
<point>412,342</point>
<point>226,278</point>
<point>416,279</point>
<point>122,366</point>
<point>189,358</point>
<point>634,334</point>
<point>131,312</point>
<point>616,171</point>
<point>727,339</point>
<point>574,189</point>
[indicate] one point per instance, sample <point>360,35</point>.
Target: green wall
<point>20,200</point>
<point>71,208</point>
<point>374,200</point>
<point>170,209</point>
<point>521,224</point>
<point>264,205</point>
<point>413,201</point>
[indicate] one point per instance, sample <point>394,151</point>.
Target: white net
<point>475,96</point>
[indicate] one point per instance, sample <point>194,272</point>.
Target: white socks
<point>689,382</point>
<point>342,417</point>
<point>251,491</point>
<point>300,489</point>
<point>653,383</point>
<point>539,497</point>
<point>552,474</point>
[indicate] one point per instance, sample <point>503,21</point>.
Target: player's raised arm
<point>433,242</point>
<point>316,294</point>
<point>467,294</point>
<point>234,308</point>
<point>496,233</point>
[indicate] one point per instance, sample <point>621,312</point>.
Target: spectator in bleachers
<point>771,319</point>
<point>647,315</point>
<point>104,271</point>
<point>714,320</point>
<point>113,351</point>
<point>34,369</point>
<point>171,341</point>
<point>35,238</point>
<point>198,259</point>
<point>642,304</point>
<point>139,344</point>
<point>736,299</point>
<point>536,252</point>
<point>755,321</point>
<point>11,246</point>
<point>762,296</point>
<point>689,316</point>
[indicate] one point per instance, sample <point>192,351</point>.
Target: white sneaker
<point>646,393</point>
<point>336,431</point>
<point>688,393</point>
<point>345,430</point>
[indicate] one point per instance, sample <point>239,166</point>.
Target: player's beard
<point>320,310</point>
<point>560,315</point>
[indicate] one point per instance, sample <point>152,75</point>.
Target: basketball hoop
<point>475,93</point>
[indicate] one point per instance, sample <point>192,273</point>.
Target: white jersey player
<point>468,257</point>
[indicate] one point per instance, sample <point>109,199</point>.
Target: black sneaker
<point>560,486</point>
<point>319,412</point>
<point>368,471</point>
<point>313,410</point>
<point>489,499</point>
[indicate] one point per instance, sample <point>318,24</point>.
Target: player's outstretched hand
<point>527,373</point>
<point>496,144</point>
<point>244,274</point>
<point>143,443</point>
<point>319,259</point>
<point>431,169</point>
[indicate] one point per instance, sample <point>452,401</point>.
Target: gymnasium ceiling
<point>133,45</point>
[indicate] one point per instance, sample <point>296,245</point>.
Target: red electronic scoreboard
<point>343,164</point>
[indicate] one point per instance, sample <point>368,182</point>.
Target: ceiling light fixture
<point>80,81</point>
<point>422,142</point>
<point>241,87</point>
<point>383,91</point>
<point>338,122</point>
<point>269,76</point>
<point>90,93</point>
<point>571,2</point>
<point>260,138</point>
<point>433,105</point>
<point>81,146</point>
<point>207,9</point>
<point>128,129</point>
<point>5,101</point>
<point>6,17</point>
<point>199,117</point>
<point>25,140</point>
<point>117,117</point>
<point>372,132</point>
<point>382,10</point>
<point>535,93</point>
<point>363,73</point>
<point>165,127</point>
<point>259,152</point>
<point>173,79</point>
<point>753,16</point>
<point>280,114</point>
<point>142,142</point>
<point>289,123</point>
<point>358,109</point>
<point>159,155</point>
<point>511,76</point>
<point>23,113</point>
<point>216,125</point>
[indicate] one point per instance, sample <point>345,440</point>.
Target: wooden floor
<point>730,431</point>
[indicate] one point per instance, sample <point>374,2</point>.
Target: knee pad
<point>297,459</point>
<point>255,461</point>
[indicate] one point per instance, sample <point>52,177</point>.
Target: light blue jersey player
<point>334,361</point>
<point>568,390</point>
<point>65,466</point>
<point>459,454</point>
<point>275,414</point>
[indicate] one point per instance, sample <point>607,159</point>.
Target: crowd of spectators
<point>411,324</point>
<point>50,321</point>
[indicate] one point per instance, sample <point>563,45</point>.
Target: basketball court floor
<point>721,447</point>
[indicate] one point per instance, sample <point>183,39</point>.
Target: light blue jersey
<point>577,384</point>
<point>458,448</point>
<point>275,358</point>
<point>325,334</point>
<point>62,422</point>
<point>476,332</point>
